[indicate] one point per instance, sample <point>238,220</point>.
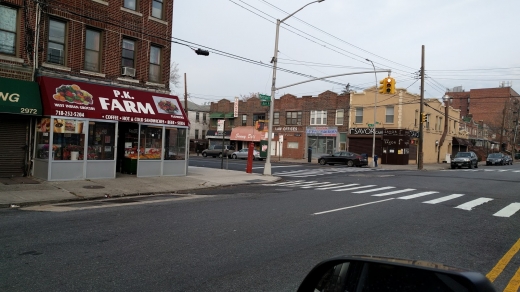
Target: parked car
<point>508,160</point>
<point>242,154</point>
<point>344,157</point>
<point>465,159</point>
<point>216,150</point>
<point>496,159</point>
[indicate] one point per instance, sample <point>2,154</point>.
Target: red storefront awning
<point>246,133</point>
<point>71,98</point>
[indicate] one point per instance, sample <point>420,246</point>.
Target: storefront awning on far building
<point>216,115</point>
<point>229,116</point>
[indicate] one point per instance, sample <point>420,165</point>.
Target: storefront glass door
<point>322,145</point>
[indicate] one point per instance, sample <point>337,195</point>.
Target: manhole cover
<point>94,187</point>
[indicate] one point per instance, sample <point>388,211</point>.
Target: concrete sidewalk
<point>30,191</point>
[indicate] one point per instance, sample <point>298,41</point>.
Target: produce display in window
<point>151,143</point>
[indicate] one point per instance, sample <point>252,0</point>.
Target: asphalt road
<point>267,237</point>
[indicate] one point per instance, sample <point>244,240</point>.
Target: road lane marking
<point>502,263</point>
<point>471,204</point>
<point>328,188</point>
<point>443,199</point>
<point>354,188</point>
<point>393,193</point>
<point>514,283</point>
<point>373,190</point>
<point>508,211</point>
<point>335,210</point>
<point>283,183</point>
<point>417,195</point>
<point>330,185</point>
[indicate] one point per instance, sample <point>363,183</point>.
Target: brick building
<point>316,122</point>
<point>103,71</point>
<point>497,108</point>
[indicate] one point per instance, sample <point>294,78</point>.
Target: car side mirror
<point>369,273</point>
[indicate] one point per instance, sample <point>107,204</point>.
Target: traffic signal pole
<point>421,110</point>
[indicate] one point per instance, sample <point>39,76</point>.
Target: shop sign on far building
<point>220,127</point>
<point>235,109</point>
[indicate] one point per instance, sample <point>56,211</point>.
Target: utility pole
<point>421,109</point>
<point>187,150</point>
<point>446,126</point>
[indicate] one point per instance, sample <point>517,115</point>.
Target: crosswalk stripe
<point>354,188</point>
<point>416,195</point>
<point>393,193</point>
<point>516,170</point>
<point>502,170</point>
<point>508,211</point>
<point>443,199</point>
<point>471,204</point>
<point>330,185</point>
<point>373,190</point>
<point>340,186</point>
<point>283,183</point>
<point>296,183</point>
<point>315,185</point>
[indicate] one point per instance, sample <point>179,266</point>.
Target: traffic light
<point>389,85</point>
<point>392,85</point>
<point>423,118</point>
<point>202,52</point>
<point>382,86</point>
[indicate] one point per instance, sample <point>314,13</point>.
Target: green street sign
<point>265,103</point>
<point>264,97</point>
<point>370,125</point>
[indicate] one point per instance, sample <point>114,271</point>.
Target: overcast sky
<point>468,43</point>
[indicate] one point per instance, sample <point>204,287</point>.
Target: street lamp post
<point>267,168</point>
<point>375,117</point>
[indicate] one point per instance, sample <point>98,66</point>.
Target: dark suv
<point>465,159</point>
<point>216,150</point>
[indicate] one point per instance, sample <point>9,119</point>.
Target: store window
<point>68,139</point>
<point>244,120</point>
<point>101,141</point>
<point>130,4</point>
<point>56,42</point>
<point>8,31</point>
<point>155,64</point>
<point>150,146</point>
<point>293,118</point>
<point>276,119</point>
<point>389,115</point>
<point>339,116</point>
<point>92,50</point>
<point>157,9</point>
<point>359,115</point>
<point>292,145</point>
<point>175,144</point>
<point>318,117</point>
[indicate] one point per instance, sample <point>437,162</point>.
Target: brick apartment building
<point>102,69</point>
<point>318,122</point>
<point>496,108</point>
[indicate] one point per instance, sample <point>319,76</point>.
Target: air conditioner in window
<point>55,55</point>
<point>127,71</point>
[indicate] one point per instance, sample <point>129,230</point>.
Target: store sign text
<point>13,97</point>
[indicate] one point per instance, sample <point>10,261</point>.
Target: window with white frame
<point>389,114</point>
<point>197,116</point>
<point>427,121</point>
<point>292,145</point>
<point>359,115</point>
<point>244,120</point>
<point>8,16</point>
<point>196,133</point>
<point>339,116</point>
<point>318,117</point>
